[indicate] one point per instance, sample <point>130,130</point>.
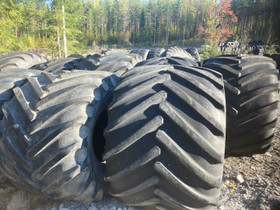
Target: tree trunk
<point>102,30</point>
<point>155,28</point>
<point>124,23</point>
<point>57,31</point>
<point>134,26</point>
<point>167,30</point>
<point>116,26</point>
<point>64,32</point>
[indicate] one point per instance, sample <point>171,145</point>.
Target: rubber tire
<point>168,60</point>
<point>10,78</point>
<point>276,58</point>
<point>252,88</point>
<point>194,53</point>
<point>94,59</point>
<point>114,52</point>
<point>142,52</point>
<point>21,60</point>
<point>164,149</point>
<point>155,52</point>
<point>76,55</point>
<point>118,64</point>
<point>47,144</point>
<point>177,52</point>
<point>69,63</point>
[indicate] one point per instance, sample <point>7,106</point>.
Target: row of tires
<point>151,131</point>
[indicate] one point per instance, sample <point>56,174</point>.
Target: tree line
<point>38,24</point>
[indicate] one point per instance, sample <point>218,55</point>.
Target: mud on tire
<point>252,88</point>
<point>164,149</point>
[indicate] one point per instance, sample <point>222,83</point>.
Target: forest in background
<point>38,25</point>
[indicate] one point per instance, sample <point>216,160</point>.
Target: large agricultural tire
<point>76,55</point>
<point>21,60</point>
<point>168,60</point>
<point>142,52</point>
<point>164,148</point>
<point>194,53</point>
<point>94,59</point>
<point>10,78</point>
<point>69,63</point>
<point>114,52</point>
<point>119,64</point>
<point>155,52</point>
<point>252,94</point>
<point>112,57</point>
<point>177,52</point>
<point>48,141</point>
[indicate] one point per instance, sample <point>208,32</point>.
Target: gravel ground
<point>249,183</point>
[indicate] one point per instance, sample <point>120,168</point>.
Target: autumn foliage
<point>219,25</point>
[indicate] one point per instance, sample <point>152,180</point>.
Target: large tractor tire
<point>69,63</point>
<point>142,52</point>
<point>177,52</point>
<point>112,52</point>
<point>94,59</point>
<point>119,64</point>
<point>21,60</point>
<point>194,53</point>
<point>252,94</point>
<point>10,78</point>
<point>165,138</point>
<point>49,134</point>
<point>155,52</point>
<point>168,60</point>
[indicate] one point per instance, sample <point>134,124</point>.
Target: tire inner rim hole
<point>98,137</point>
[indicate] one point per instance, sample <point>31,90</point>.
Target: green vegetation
<point>37,24</point>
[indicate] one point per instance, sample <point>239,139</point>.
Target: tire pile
<point>150,127</point>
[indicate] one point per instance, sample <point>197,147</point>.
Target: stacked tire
<point>148,126</point>
<point>23,60</point>
<point>252,95</point>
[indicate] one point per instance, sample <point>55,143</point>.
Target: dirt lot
<point>249,183</point>
<point>253,182</point>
